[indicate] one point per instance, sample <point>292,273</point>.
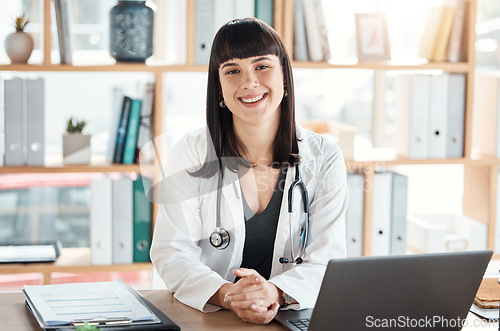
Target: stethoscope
<point>220,237</point>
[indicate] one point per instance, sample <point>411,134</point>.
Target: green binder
<point>142,220</point>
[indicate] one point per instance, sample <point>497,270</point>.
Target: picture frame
<point>372,37</point>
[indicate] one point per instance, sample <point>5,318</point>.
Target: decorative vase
<point>76,148</point>
<point>131,31</point>
<point>19,46</point>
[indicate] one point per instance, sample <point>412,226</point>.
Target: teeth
<point>252,99</point>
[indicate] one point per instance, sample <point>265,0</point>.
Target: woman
<point>223,235</point>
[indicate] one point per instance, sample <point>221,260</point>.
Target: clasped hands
<point>252,297</point>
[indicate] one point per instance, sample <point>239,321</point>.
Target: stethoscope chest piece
<point>220,238</point>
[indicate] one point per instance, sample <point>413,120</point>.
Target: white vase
<point>19,46</point>
<point>76,148</point>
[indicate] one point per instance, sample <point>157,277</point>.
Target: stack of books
<point>487,300</point>
<point>445,33</point>
<point>131,126</point>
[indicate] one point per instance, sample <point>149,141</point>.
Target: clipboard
<point>161,322</point>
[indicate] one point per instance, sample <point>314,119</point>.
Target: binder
<point>299,43</point>
<point>399,210</point>
<point>264,10</point>
<point>223,13</point>
<point>412,118</point>
<point>142,228</point>
<point>14,119</point>
<point>204,31</point>
<point>244,8</point>
<point>313,36</point>
<point>438,110</point>
<point>35,118</point>
<point>101,220</point>
<point>381,219</point>
<point>115,122</point>
<point>122,220</point>
<point>456,116</point>
<point>354,215</point>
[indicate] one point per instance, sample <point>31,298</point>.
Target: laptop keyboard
<point>301,324</point>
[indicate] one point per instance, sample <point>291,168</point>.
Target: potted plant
<point>76,144</point>
<point>19,44</point>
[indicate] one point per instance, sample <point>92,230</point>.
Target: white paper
<point>488,313</point>
<point>64,303</point>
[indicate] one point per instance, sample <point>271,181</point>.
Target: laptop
<point>425,291</point>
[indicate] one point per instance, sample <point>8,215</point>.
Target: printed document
<point>66,303</point>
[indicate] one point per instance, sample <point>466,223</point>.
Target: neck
<point>257,141</point>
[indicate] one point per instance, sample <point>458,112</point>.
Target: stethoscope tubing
<point>223,236</point>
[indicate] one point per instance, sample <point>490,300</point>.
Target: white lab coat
<point>194,270</point>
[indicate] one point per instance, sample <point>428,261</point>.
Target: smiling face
<point>252,89</point>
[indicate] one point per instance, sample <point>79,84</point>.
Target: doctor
<point>224,236</point>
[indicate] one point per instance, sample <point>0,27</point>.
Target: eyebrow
<point>233,64</point>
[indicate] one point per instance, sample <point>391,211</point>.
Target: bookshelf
<point>480,173</point>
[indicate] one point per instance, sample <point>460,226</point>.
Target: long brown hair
<point>239,39</point>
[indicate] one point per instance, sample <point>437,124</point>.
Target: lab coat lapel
<point>232,215</point>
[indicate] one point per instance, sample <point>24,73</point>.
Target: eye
<point>262,66</point>
<point>232,72</point>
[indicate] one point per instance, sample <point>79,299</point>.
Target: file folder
<point>160,321</point>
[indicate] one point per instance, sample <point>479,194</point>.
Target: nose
<point>249,80</point>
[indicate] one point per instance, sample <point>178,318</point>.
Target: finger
<point>253,304</point>
<point>248,293</point>
<point>244,272</point>
<point>259,308</point>
<point>258,317</point>
<point>272,311</point>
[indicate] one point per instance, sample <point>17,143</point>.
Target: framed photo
<point>372,37</point>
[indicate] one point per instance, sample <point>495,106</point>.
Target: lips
<point>252,99</point>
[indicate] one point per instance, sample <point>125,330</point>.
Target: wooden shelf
<point>71,260</point>
<point>387,65</point>
<point>118,67</point>
<point>160,68</point>
<point>71,168</point>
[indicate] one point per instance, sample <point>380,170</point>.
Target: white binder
<point>223,13</point>
<point>419,117</point>
<point>456,116</point>
<point>14,121</point>
<point>101,220</point>
<point>122,212</point>
<point>204,31</point>
<point>299,42</point>
<point>399,208</point>
<point>244,8</point>
<point>381,217</point>
<point>313,35</point>
<point>35,120</point>
<point>412,117</point>
<point>354,215</point>
<point>438,111</point>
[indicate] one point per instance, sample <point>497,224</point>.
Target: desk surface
<point>15,316</point>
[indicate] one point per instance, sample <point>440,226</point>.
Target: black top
<point>261,231</point>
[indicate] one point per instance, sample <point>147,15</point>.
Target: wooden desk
<point>15,316</point>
